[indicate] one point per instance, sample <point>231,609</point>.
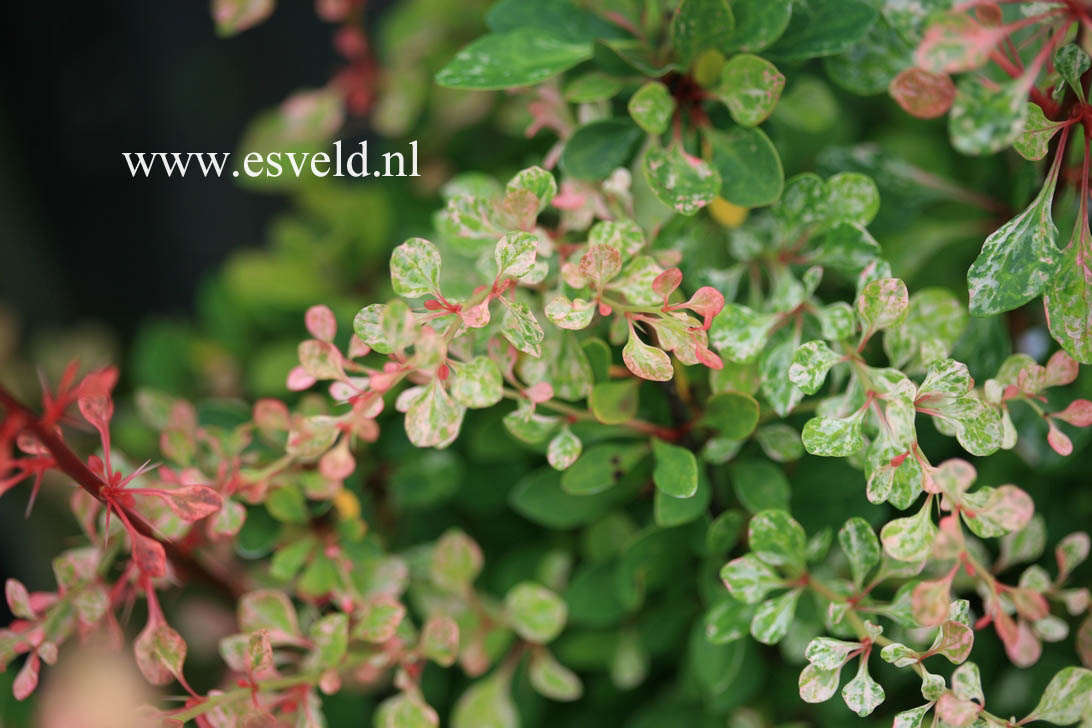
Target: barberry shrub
<point>563,459</point>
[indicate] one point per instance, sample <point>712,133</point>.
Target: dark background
<point>80,83</point>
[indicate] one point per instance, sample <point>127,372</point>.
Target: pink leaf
<point>1025,649</point>
<point>923,94</point>
<point>193,502</point>
<point>357,347</point>
<point>338,463</point>
<point>271,415</point>
<point>955,641</point>
<point>18,599</point>
<point>1062,369</point>
<point>929,601</point>
<point>160,652</point>
<point>477,316</point>
<point>149,556</point>
<point>1078,413</point>
<point>600,264</point>
<point>540,392</point>
<point>1058,440</point>
<point>957,712</point>
<point>707,302</point>
<point>27,679</point>
<point>1029,603</point>
<point>666,283</point>
<point>299,379</point>
<point>955,43</point>
<point>321,323</point>
<point>320,359</point>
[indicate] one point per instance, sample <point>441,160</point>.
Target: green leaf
<point>748,579</point>
<point>1071,62</point>
<point>433,418</point>
<point>561,17</point>
<point>405,711</point>
<point>748,164</point>
<point>476,383</point>
<point>701,24</point>
<point>833,437</point>
<point>456,561</point>
<point>776,538</point>
<point>823,28</point>
<point>826,653</point>
<point>1066,698</point>
<point>774,617</point>
<point>934,322</point>
<point>910,538</point>
<point>646,361</point>
<point>851,197</point>
<point>1068,296</point>
<point>883,304</point>
<point>676,470</point>
<point>601,467</point>
<point>235,16</point>
<point>536,613</point>
<point>591,87</point>
<point>758,23</point>
<point>669,511</point>
<point>564,449</point>
<point>870,66</point>
<point>780,442</point>
<point>863,694</point>
<point>651,107</point>
<point>270,610</point>
<point>599,147</point>
<point>740,333</point>
<point>440,640</point>
<point>732,414</point>
<point>861,547</point>
<point>810,365</point>
<point>377,621</point>
<point>727,621</point>
<point>552,679</point>
<point>486,704</point>
<point>536,180</point>
<point>415,269</point>
<point>386,328</point>
<point>573,315</point>
<point>521,57</point>
<point>515,254</point>
<point>1034,142</point>
<point>984,118</point>
<point>614,402</point>
<point>539,497</point>
<point>760,485</point>
<point>623,234</point>
<point>329,640</point>
<point>818,686</point>
<point>750,87</point>
<point>682,182</point>
<point>521,328</point>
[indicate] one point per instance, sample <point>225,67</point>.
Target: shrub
<point>621,386</point>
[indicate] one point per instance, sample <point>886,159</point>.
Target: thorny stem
<point>71,465</point>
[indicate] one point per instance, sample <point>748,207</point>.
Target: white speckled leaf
<point>910,538</point>
<point>433,419</point>
<point>810,365</point>
<point>748,579</point>
<point>750,87</point>
<point>682,182</point>
<point>521,328</point>
<point>564,449</point>
<point>415,268</point>
<point>862,694</point>
<point>536,180</point>
<point>520,57</point>
<point>883,304</point>
<point>774,617</point>
<point>515,254</point>
<point>776,538</point>
<point>477,383</point>
<point>651,107</point>
<point>861,547</point>
<point>818,686</point>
